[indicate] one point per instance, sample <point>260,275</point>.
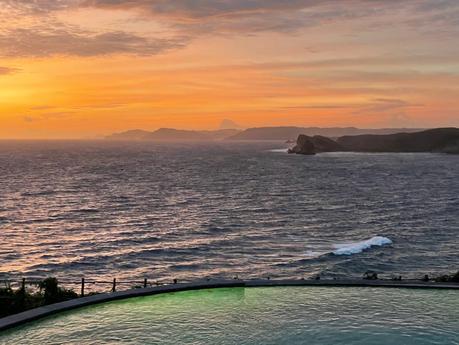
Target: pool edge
<point>41,312</point>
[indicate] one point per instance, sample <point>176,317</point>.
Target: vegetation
<point>453,278</point>
<point>370,275</point>
<point>13,302</point>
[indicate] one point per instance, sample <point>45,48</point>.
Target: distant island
<point>170,134</point>
<point>444,140</point>
<point>251,134</point>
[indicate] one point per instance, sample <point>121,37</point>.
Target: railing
<point>86,284</point>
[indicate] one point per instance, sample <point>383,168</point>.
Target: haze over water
<point>190,211</point>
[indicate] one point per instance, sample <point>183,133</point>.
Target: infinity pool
<point>276,315</point>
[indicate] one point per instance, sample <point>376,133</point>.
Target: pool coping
<point>41,312</point>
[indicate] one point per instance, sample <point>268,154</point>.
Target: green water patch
<point>274,315</point>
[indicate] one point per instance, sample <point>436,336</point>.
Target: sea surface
<point>219,210</point>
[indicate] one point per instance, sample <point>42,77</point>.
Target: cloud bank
<point>7,70</point>
<point>194,18</point>
<point>45,41</point>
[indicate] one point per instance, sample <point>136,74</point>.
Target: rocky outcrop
<point>304,146</point>
<point>307,145</point>
<point>444,140</point>
<point>452,148</point>
<point>324,144</point>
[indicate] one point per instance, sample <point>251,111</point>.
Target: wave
<point>358,247</point>
<point>39,193</point>
<point>316,257</point>
<point>85,210</point>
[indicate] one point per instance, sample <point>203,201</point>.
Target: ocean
<point>193,211</point>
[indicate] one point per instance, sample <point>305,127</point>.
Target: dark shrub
<point>53,293</point>
<point>13,302</point>
<point>370,275</point>
<point>453,278</point>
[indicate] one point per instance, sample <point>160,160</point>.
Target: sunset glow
<point>87,68</point>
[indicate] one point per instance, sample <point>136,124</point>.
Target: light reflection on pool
<point>278,315</point>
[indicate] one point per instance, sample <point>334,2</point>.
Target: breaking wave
<point>358,247</point>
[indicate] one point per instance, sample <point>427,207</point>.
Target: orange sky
<point>87,68</point>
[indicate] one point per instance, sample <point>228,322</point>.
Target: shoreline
<point>15,320</point>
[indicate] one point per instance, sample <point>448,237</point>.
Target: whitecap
<point>358,247</point>
<point>314,254</point>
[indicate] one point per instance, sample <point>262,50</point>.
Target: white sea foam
<point>279,150</point>
<point>358,247</point>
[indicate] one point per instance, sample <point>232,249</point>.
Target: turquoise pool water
<point>278,315</point>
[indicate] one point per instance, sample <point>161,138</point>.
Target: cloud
<point>184,19</point>
<point>48,116</point>
<point>235,16</point>
<point>322,106</point>
<point>43,41</point>
<point>377,105</point>
<point>7,70</point>
<point>42,107</point>
<point>195,16</point>
<point>386,105</point>
<point>36,6</point>
<point>395,110</point>
<point>30,119</point>
<point>252,16</point>
<point>33,29</point>
<point>256,15</point>
<point>108,105</point>
<point>198,9</point>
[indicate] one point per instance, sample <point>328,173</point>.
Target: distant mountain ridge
<point>170,134</point>
<point>291,133</point>
<point>229,124</point>
<point>260,133</point>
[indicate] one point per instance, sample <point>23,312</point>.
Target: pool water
<point>275,315</point>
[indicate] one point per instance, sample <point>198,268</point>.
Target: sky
<point>88,68</point>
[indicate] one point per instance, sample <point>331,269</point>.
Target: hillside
<point>135,134</point>
<point>291,133</point>
<point>440,139</point>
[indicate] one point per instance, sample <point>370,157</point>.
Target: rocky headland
<point>443,140</point>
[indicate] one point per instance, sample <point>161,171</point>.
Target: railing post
<point>145,283</point>
<point>82,287</point>
<point>114,285</point>
<point>23,286</point>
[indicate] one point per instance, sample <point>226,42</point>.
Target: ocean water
<point>253,316</point>
<point>191,211</point>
